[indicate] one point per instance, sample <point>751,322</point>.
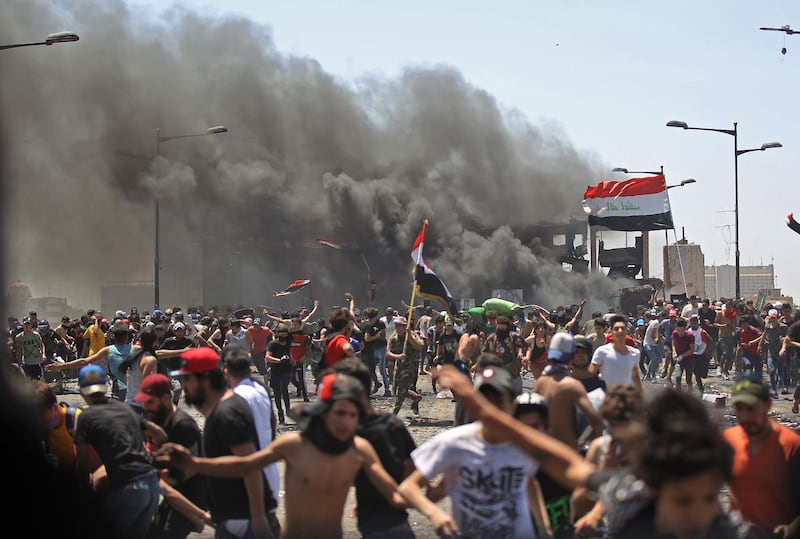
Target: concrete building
<point>684,260</point>
<point>720,281</point>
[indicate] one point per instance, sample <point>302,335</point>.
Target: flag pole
<point>414,288</point>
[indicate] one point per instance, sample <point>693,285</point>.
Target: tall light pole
<point>159,139</point>
<point>57,37</point>
<point>736,153</point>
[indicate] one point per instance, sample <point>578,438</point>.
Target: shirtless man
<point>470,345</point>
<point>565,393</point>
<point>322,460</point>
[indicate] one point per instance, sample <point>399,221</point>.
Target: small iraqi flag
<point>292,288</point>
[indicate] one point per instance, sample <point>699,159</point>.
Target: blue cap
<point>92,379</point>
<point>562,347</point>
<point>157,312</point>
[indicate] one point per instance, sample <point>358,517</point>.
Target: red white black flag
<point>427,283</point>
<point>292,288</point>
<point>635,204</point>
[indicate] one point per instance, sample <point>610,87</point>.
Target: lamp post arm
<point>731,132</point>
<point>174,137</point>
<point>740,152</point>
<point>14,46</point>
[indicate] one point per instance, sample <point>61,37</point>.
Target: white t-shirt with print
<point>487,483</point>
<point>615,368</point>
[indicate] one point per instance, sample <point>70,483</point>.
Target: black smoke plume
<point>307,156</point>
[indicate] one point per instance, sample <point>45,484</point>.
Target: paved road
<point>439,411</point>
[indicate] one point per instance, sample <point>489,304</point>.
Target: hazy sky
<point>608,75</point>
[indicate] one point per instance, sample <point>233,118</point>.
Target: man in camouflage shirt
<point>406,364</point>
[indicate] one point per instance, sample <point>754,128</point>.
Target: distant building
<point>721,280</point>
<point>684,260</point>
<point>19,302</point>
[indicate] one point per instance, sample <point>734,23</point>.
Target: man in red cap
<point>243,505</point>
<point>322,459</point>
<point>155,397</point>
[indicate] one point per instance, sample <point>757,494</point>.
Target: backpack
<point>71,413</point>
<point>318,361</point>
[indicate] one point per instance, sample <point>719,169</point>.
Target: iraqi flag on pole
<point>292,288</point>
<point>427,283</point>
<point>635,204</point>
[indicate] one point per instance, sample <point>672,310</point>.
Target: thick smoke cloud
<point>307,156</point>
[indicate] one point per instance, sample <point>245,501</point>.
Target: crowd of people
<point>585,453</point>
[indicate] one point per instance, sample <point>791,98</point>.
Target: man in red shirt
<point>749,337</point>
<point>766,462</point>
<point>260,337</point>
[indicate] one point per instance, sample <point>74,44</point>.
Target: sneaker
<point>774,394</point>
<point>387,393</point>
<point>377,388</point>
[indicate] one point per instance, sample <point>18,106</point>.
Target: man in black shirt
<point>373,352</point>
<point>393,443</point>
<point>116,433</point>
<point>154,397</point>
<point>280,369</point>
<point>237,505</point>
<point>790,349</point>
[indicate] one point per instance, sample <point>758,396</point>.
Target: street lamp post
<point>736,153</point>
<point>57,37</point>
<point>159,139</point>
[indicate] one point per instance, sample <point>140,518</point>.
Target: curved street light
<point>56,37</point>
<point>217,129</point>
<point>687,181</point>
<point>736,153</point>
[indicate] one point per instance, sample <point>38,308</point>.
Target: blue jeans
<point>777,371</point>
<point>259,360</point>
<point>751,362</point>
<point>131,507</point>
<point>656,353</point>
<point>380,360</point>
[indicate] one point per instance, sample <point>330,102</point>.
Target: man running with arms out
<point>322,460</point>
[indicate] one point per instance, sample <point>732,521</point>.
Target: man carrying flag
<point>426,282</point>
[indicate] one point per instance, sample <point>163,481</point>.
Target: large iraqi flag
<point>427,283</point>
<point>635,204</point>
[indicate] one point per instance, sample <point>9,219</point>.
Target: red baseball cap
<point>201,359</point>
<point>153,385</point>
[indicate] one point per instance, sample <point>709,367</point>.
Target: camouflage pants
<point>405,387</point>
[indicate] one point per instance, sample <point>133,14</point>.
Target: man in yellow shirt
<point>94,338</point>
